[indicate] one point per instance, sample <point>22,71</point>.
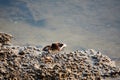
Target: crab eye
<point>60,45</point>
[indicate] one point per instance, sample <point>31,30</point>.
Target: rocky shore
<point>30,63</point>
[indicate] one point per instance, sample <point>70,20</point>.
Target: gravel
<point>30,63</point>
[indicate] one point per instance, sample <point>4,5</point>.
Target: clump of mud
<point>30,63</point>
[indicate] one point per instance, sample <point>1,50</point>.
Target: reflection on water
<point>80,24</point>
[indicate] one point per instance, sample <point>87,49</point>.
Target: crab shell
<point>54,47</point>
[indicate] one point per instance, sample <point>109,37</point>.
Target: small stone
<point>36,66</point>
<point>21,53</point>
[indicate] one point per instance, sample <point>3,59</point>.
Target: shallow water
<point>81,24</point>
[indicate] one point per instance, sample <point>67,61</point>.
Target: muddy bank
<point>30,63</point>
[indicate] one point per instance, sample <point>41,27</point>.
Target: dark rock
<point>5,39</point>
